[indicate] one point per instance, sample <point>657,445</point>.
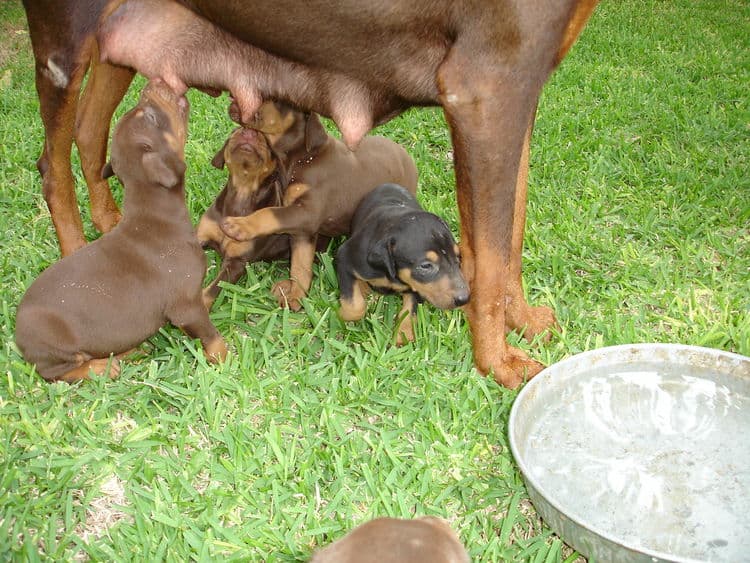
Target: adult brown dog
<point>393,540</point>
<point>484,62</point>
<point>111,295</point>
<point>325,183</point>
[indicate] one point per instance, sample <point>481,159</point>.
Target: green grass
<point>637,231</point>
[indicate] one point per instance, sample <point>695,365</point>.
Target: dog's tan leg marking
<point>104,90</point>
<point>289,293</point>
<point>405,318</point>
<point>519,314</point>
<point>58,108</point>
<point>208,230</point>
<point>486,206</point>
<point>259,223</point>
<point>98,366</point>
<point>354,309</point>
<point>215,350</point>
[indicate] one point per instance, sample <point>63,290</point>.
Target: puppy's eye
<point>426,267</point>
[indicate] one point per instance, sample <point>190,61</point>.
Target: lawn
<point>637,231</point>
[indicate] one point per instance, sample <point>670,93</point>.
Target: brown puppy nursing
<point>253,183</point>
<point>325,184</point>
<point>391,540</point>
<point>116,292</point>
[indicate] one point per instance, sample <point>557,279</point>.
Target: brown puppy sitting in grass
<point>391,540</point>
<point>398,247</point>
<point>253,183</point>
<point>325,181</point>
<point>116,292</point>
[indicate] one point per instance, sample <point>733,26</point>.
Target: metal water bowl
<point>640,452</point>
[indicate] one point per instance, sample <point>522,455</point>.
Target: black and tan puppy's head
<point>148,144</point>
<point>421,253</point>
<point>248,158</point>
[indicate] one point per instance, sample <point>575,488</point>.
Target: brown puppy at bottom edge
<point>112,294</point>
<point>392,540</point>
<point>325,183</point>
<point>398,247</point>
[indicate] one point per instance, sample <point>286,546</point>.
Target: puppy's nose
<point>461,298</point>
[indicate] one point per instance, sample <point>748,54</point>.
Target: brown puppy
<point>252,184</point>
<point>326,182</point>
<point>390,540</point>
<point>114,293</point>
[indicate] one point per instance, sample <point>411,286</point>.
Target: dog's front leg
<point>519,315</point>
<point>489,102</point>
<point>405,319</point>
<point>289,293</point>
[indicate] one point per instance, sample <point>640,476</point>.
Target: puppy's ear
<point>107,171</point>
<point>218,160</point>
<point>315,133</point>
<point>380,257</point>
<point>164,170</point>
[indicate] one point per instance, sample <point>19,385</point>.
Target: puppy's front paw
<point>216,350</point>
<point>234,227</point>
<point>288,294</point>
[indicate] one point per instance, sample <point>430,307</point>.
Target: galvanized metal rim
<point>545,374</point>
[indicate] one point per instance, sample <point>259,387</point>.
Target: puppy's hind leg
<point>98,366</point>
<point>351,291</point>
<point>191,316</point>
<point>405,329</point>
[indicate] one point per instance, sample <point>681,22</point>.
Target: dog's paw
<point>234,228</point>
<point>216,350</point>
<point>533,322</point>
<point>509,369</point>
<point>288,294</point>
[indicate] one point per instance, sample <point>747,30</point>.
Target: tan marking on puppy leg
<point>289,293</point>
<point>208,299</point>
<point>260,223</point>
<point>215,350</point>
<point>405,318</point>
<point>354,309</point>
<point>235,249</point>
<point>98,366</point>
<point>209,230</point>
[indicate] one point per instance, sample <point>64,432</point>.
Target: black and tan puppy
<point>398,247</point>
<point>114,293</point>
<point>253,184</point>
<point>391,540</point>
<point>325,183</point>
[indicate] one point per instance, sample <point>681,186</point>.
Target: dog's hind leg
<point>531,321</point>
<point>58,98</point>
<point>98,366</point>
<point>104,90</point>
